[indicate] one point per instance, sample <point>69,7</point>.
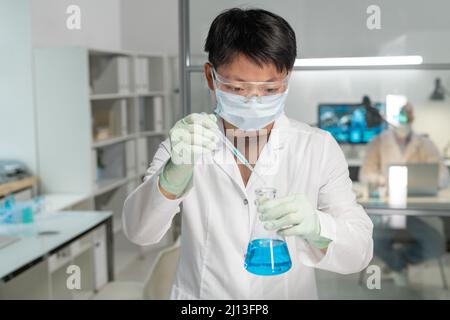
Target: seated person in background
<point>395,146</point>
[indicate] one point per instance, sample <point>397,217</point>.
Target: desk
<point>437,206</point>
<point>15,186</point>
<point>39,244</point>
<point>354,165</point>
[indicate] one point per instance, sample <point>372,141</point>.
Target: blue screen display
<point>352,123</point>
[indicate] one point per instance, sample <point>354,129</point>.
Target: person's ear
<point>208,75</point>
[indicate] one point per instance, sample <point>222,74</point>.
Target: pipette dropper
<point>238,155</point>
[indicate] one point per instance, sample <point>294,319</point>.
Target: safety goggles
<point>249,89</point>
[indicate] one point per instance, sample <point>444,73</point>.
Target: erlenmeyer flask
<point>267,252</point>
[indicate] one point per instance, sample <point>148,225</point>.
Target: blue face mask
<point>249,114</point>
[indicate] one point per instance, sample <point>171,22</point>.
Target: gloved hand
<point>293,216</point>
<point>189,138</point>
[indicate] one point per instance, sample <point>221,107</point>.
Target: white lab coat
<point>219,212</point>
<point>384,150</point>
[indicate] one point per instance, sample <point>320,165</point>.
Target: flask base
<point>267,257</point>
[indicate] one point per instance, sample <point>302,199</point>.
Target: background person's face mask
<point>403,128</point>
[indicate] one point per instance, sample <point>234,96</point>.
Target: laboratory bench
<point>438,205</point>
<point>354,164</point>
<point>39,263</point>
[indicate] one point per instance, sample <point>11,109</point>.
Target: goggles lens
<point>248,89</point>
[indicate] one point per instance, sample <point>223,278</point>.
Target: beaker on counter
<point>267,252</point>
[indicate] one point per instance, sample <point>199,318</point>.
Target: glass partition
<point>340,29</point>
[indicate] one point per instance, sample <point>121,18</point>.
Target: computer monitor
<point>352,123</point>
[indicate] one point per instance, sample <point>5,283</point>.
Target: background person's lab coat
<point>219,212</point>
<point>384,150</point>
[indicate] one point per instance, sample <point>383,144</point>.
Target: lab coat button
<point>245,202</point>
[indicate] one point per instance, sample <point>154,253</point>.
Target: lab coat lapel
<point>225,160</point>
<point>412,149</point>
<point>396,156</point>
<point>410,153</point>
<point>269,160</point>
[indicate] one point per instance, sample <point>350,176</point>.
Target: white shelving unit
<point>100,117</point>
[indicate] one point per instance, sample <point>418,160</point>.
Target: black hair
<point>366,101</point>
<point>260,35</point>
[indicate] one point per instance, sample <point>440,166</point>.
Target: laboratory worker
<point>401,145</point>
<point>251,55</point>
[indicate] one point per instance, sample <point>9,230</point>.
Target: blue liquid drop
<point>267,257</point>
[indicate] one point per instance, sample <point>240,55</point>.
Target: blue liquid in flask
<point>267,257</point>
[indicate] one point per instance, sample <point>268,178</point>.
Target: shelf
<point>108,142</point>
<point>109,101</point>
<point>102,52</point>
<point>151,112</point>
<point>111,96</point>
<point>60,201</point>
<point>352,162</point>
<point>153,133</point>
<point>109,184</point>
<point>151,94</point>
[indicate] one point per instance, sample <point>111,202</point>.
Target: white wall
<point>203,12</point>
<point>137,25</point>
<point>338,28</point>
<point>24,23</point>
<point>150,25</point>
<point>17,129</point>
<point>100,23</point>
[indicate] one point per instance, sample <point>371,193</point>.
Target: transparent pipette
<point>239,155</point>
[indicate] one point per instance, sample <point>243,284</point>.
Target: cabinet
<point>100,117</point>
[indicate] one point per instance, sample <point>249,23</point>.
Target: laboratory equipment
<point>22,211</point>
<point>422,179</point>
<point>12,170</point>
<point>267,252</point>
<point>347,122</point>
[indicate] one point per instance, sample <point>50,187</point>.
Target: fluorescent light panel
<point>360,61</point>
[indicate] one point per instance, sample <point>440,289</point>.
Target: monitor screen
<point>352,123</point>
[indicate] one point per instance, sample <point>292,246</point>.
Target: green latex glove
<point>293,216</point>
<point>190,138</point>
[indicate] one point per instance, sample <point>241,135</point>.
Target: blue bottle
<point>267,253</point>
